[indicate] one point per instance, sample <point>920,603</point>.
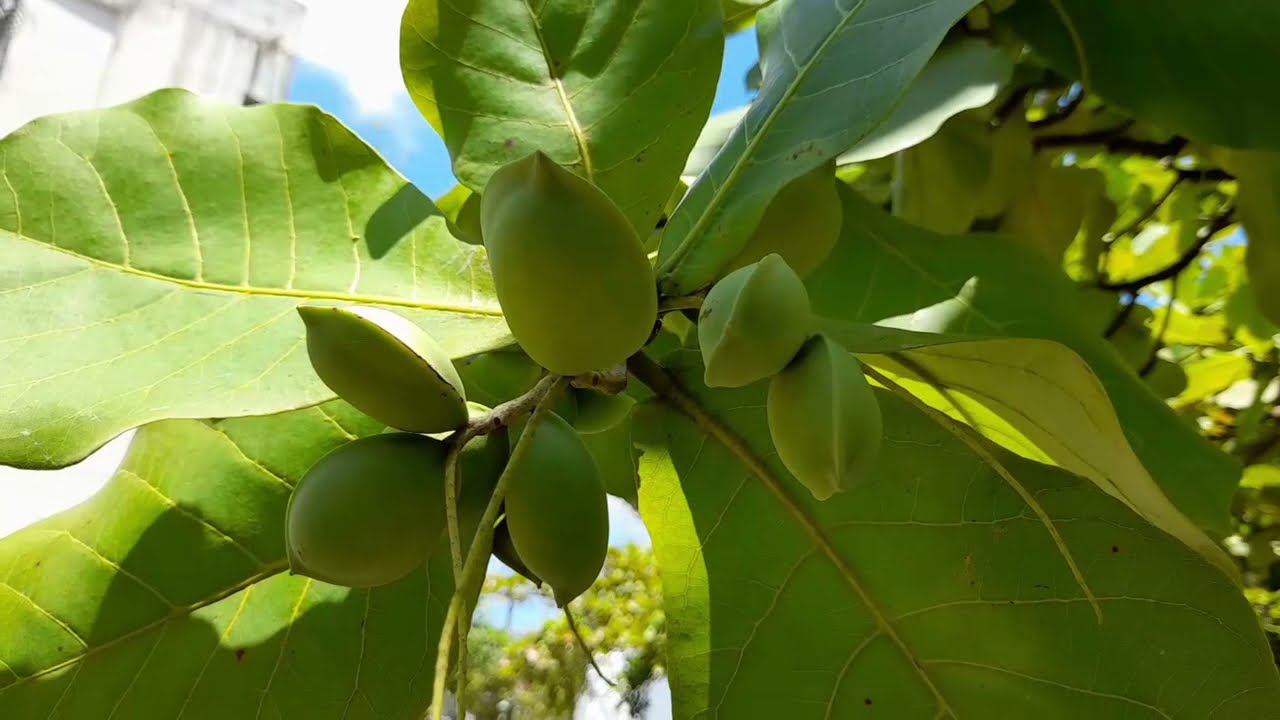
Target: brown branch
<point>1151,210</point>
<point>1060,112</point>
<point>1113,140</point>
<point>1183,262</point>
<point>1154,355</point>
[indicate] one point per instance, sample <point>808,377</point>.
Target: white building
<point>61,55</point>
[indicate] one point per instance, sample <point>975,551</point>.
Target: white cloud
<point>360,43</point>
<point>27,496</point>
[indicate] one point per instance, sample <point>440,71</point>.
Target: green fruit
<point>504,548</point>
<point>479,467</point>
<point>369,512</point>
<point>571,274</point>
<point>598,412</point>
<point>556,508</point>
<point>386,366</point>
<point>802,223</point>
<point>824,418</point>
<point>752,323</point>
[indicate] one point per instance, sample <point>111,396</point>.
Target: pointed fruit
<point>752,323</point>
<point>387,367</point>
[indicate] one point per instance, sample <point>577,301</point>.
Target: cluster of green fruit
<point>373,510</point>
<point>824,419</point>
<point>579,295</point>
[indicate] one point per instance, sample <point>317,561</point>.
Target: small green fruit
<point>598,412</point>
<point>505,550</point>
<point>386,366</point>
<point>752,323</point>
<point>495,377</point>
<point>556,509</point>
<point>479,467</point>
<point>802,223</point>
<point>824,418</point>
<point>369,512</point>
<point>571,274</point>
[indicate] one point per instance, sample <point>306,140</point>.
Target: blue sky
<point>407,142</point>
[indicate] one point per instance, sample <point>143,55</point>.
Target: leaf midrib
<point>261,291</point>
<point>571,117</point>
<point>267,572</point>
<point>717,200</point>
<point>667,387</point>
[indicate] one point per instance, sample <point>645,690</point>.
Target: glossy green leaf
<point>1178,63</point>
<point>167,594</point>
<point>155,253</point>
<point>885,271</point>
<point>831,77</point>
<point>933,589</point>
<point>615,91</point>
<point>961,76</point>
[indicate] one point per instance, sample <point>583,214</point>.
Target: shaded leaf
<point>831,76</point>
<point>940,184</point>
<point>617,92</point>
<point>932,589</point>
<point>155,254</point>
<point>1052,206</point>
<point>1174,62</point>
<point>885,271</point>
<point>167,593</point>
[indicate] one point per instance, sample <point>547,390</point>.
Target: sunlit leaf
<point>155,254</point>
<point>167,594</point>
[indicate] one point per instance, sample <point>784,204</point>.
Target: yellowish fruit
<point>387,367</point>
<point>802,223</point>
<point>571,274</point>
<point>824,418</point>
<point>752,323</point>
<point>556,508</point>
<point>369,512</point>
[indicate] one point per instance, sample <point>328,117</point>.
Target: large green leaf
<point>1178,63</point>
<point>615,90</point>
<point>933,589</point>
<point>885,271</point>
<point>832,74</point>
<point>154,254</point>
<point>1034,397</point>
<point>166,595</point>
<point>961,76</point>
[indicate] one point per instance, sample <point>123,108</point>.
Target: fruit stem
<point>537,402</point>
<point>687,302</point>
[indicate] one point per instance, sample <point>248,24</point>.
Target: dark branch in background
<point>1184,261</point>
<point>1122,316</point>
<point>1016,101</point>
<point>1151,210</point>
<point>1205,175</point>
<point>1150,364</point>
<point>1061,111</point>
<point>1113,140</point>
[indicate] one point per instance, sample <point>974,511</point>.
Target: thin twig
<point>1061,112</point>
<point>1113,140</point>
<point>1119,320</point>
<point>586,650</point>
<point>1150,211</point>
<point>1184,261</point>
<point>536,403</point>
